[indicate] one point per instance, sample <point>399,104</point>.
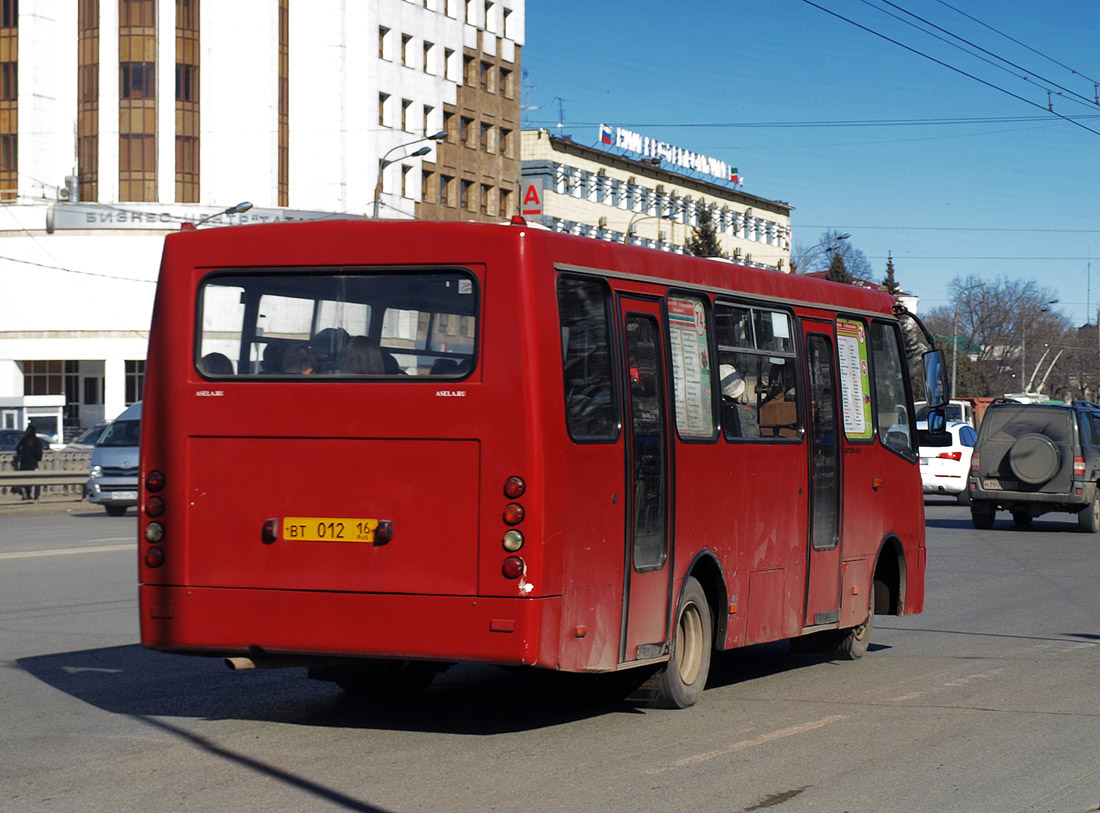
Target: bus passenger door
<point>824,554</point>
<point>646,581</point>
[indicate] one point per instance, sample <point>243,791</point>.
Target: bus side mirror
<point>937,421</point>
<point>935,378</point>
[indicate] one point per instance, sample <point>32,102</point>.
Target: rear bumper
<point>237,621</point>
<point>1037,502</point>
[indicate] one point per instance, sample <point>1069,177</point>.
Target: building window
<point>449,63</point>
<point>383,109</point>
<point>427,186</point>
<point>506,143</point>
<point>428,54</point>
<point>427,120</point>
<point>187,101</point>
<point>406,40</point>
<point>486,139</point>
<point>137,137</point>
<point>43,377</point>
<point>486,199</point>
<point>464,194</point>
<point>284,103</point>
<point>87,122</point>
<point>506,83</point>
<point>406,182</point>
<point>448,126</point>
<point>135,381</point>
<point>406,108</point>
<point>464,130</point>
<point>383,42</point>
<point>506,202</point>
<point>469,70</point>
<point>485,77</point>
<point>445,184</point>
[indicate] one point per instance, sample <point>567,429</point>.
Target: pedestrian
<point>28,454</point>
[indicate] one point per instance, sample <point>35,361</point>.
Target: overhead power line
<point>950,67</point>
<point>1026,76</point>
<point>1017,42</point>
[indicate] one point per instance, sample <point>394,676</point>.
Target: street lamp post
<point>243,206</point>
<point>385,161</point>
<point>637,219</point>
<point>820,248</point>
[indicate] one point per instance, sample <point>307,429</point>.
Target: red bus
<point>376,448</point>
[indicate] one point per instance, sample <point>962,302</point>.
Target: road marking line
<point>30,554</point>
<point>782,733</point>
<point>903,697</point>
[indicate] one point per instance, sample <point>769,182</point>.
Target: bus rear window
<point>344,322</point>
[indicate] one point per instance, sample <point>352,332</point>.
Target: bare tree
<point>819,256</point>
<point>1007,325</point>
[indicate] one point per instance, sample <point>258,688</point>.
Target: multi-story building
<point>652,196</point>
<point>475,174</point>
<point>122,119</point>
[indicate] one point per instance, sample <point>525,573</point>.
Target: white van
<point>113,482</point>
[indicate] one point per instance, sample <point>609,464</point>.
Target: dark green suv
<point>1032,459</point>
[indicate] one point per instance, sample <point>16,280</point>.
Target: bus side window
<point>892,418</point>
<point>756,368</point>
<point>590,409</point>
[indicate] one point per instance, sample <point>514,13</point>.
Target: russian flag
<point>605,134</point>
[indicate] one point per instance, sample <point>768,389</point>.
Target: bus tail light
<point>514,487</point>
<point>154,531</point>
<point>513,513</point>
<point>513,567</point>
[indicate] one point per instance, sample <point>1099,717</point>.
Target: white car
<point>945,461</point>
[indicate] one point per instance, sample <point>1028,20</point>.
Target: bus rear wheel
<point>682,679</point>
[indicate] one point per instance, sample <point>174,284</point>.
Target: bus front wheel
<point>682,679</point>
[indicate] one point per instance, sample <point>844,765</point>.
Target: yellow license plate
<point>329,529</point>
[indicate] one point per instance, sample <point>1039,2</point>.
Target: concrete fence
<point>60,472</point>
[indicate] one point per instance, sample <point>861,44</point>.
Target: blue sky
<point>1012,194</point>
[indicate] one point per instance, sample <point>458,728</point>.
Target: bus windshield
<point>338,322</point>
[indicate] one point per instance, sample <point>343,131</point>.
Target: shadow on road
<point>466,699</point>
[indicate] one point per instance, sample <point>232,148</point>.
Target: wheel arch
<point>708,572</point>
<point>890,577</point>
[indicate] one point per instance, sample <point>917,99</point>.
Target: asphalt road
<point>989,701</point>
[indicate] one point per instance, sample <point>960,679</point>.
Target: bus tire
<point>854,641</point>
<point>683,678</point>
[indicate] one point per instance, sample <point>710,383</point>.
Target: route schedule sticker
<point>855,385</point>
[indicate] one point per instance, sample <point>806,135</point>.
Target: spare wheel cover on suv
<point>1034,458</point>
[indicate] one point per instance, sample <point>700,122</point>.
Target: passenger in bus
<point>273,356</point>
<point>329,345</point>
<point>779,409</point>
<point>362,356</point>
<point>738,417</point>
<point>298,360</point>
<point>217,364</point>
